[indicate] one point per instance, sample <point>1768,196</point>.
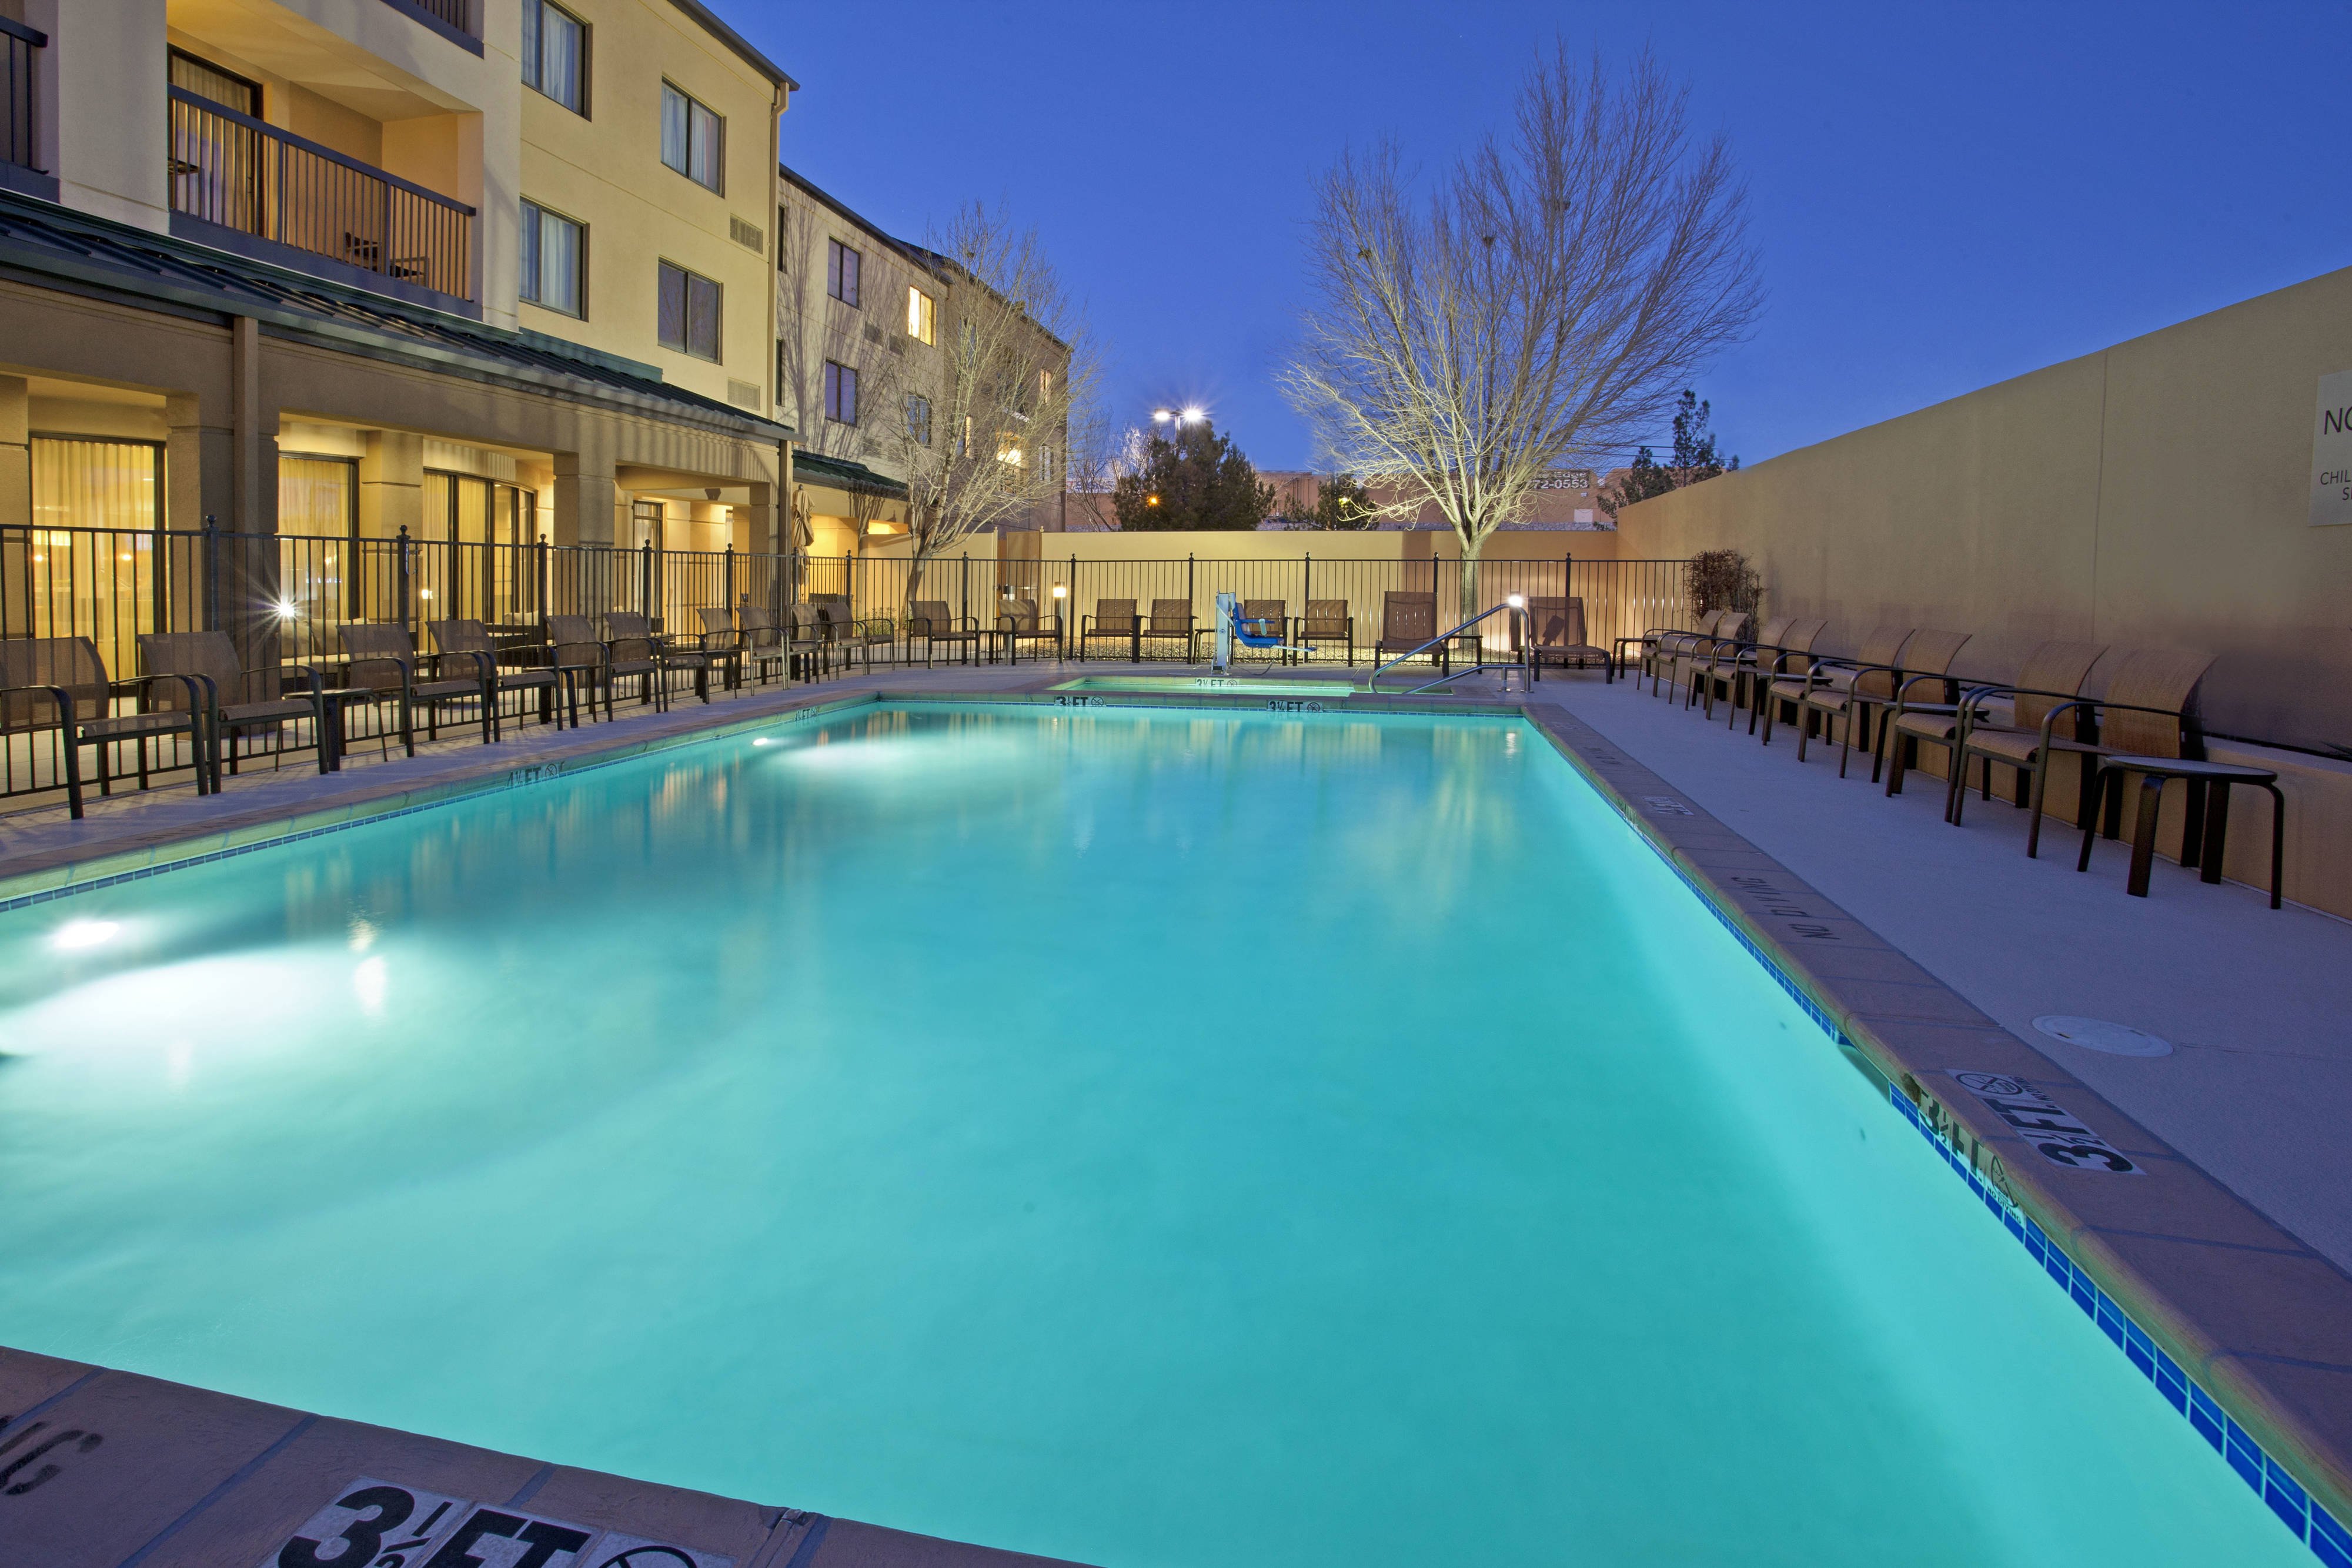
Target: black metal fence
<point>284,599</point>
<point>237,172</point>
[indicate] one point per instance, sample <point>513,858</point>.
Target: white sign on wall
<point>2331,452</point>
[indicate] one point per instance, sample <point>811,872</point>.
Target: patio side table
<point>2201,842</point>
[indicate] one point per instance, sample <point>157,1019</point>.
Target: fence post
<point>727,598</point>
<point>399,579</point>
<point>212,572</point>
<point>1188,581</point>
<point>645,580</point>
<point>1307,583</point>
<point>966,611</point>
<point>542,553</point>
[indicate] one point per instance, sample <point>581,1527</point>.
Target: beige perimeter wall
<point>2155,493</point>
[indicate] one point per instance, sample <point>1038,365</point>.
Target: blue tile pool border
<point>2304,1516</point>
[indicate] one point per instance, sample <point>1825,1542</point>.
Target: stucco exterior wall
<point>2154,494</point>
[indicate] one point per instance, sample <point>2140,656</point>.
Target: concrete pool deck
<point>2220,1246</point>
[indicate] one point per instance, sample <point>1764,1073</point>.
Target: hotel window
<point>840,393</point>
<point>98,585</point>
<point>555,53</point>
<point>692,137</point>
<point>1045,385</point>
<point>1044,465</point>
<point>919,418</point>
<point>208,81</point>
<point>554,260</point>
<point>689,312</point>
<point>841,272</point>
<point>919,324</point>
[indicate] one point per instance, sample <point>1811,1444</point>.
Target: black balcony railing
<point>23,47</point>
<point>232,170</point>
<point>458,14</point>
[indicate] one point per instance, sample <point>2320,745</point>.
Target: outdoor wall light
<point>75,936</point>
<point>1061,591</point>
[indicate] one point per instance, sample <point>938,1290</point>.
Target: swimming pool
<point>1140,1137</point>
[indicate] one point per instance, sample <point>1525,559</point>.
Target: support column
<point>197,454</point>
<point>391,485</point>
<point>585,499</point>
<point>15,500</point>
<point>16,451</point>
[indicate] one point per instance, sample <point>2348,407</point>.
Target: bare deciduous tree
<point>1549,298</point>
<point>1016,367</point>
<point>818,329</point>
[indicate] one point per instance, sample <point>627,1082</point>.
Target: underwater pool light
<point>77,934</point>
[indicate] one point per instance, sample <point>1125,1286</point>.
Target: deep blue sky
<point>1943,196</point>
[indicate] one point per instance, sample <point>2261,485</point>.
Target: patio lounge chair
<point>1409,625</point>
<point>2051,672</point>
<point>1556,634</point>
<point>1170,621</point>
<point>384,664</point>
<point>229,706</point>
<point>472,638</point>
<point>1926,661</point>
<point>581,654</point>
<point>1327,620</point>
<point>630,632</point>
<point>1113,620</point>
<point>1829,678</point>
<point>1017,622</point>
<point>60,684</point>
<point>2148,709</point>
<point>929,621</point>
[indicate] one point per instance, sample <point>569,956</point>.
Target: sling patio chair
<point>1861,698</point>
<point>1924,682</point>
<point>930,622</point>
<point>722,639</point>
<point>60,683</point>
<point>230,705</point>
<point>579,654</point>
<point>1114,620</point>
<point>631,636</point>
<point>2051,672</point>
<point>1170,621</point>
<point>1328,621</point>
<point>856,638</point>
<point>1829,678</point>
<point>1017,622</point>
<point>1717,674</point>
<point>1409,625</point>
<point>1556,634</point>
<point>2148,708</point>
<point>811,651</point>
<point>472,638</point>
<point>1661,642</point>
<point>761,643</point>
<point>1760,663</point>
<point>1734,674</point>
<point>384,666</point>
<point>1678,660</point>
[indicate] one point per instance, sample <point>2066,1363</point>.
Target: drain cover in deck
<point>2098,1034</point>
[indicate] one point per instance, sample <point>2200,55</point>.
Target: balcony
<point>244,185</point>
<point>459,21</point>
<point>20,169</point>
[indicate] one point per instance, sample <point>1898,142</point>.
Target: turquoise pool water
<point>1226,686</point>
<point>1134,1136</point>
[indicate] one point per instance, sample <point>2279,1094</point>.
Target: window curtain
<point>70,582</point>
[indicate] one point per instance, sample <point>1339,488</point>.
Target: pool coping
<point>2166,1264</point>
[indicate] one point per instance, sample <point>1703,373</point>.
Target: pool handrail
<point>1372,680</point>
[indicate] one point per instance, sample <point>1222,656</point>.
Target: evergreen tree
<point>1194,479</point>
<point>1341,502</point>
<point>1695,458</point>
